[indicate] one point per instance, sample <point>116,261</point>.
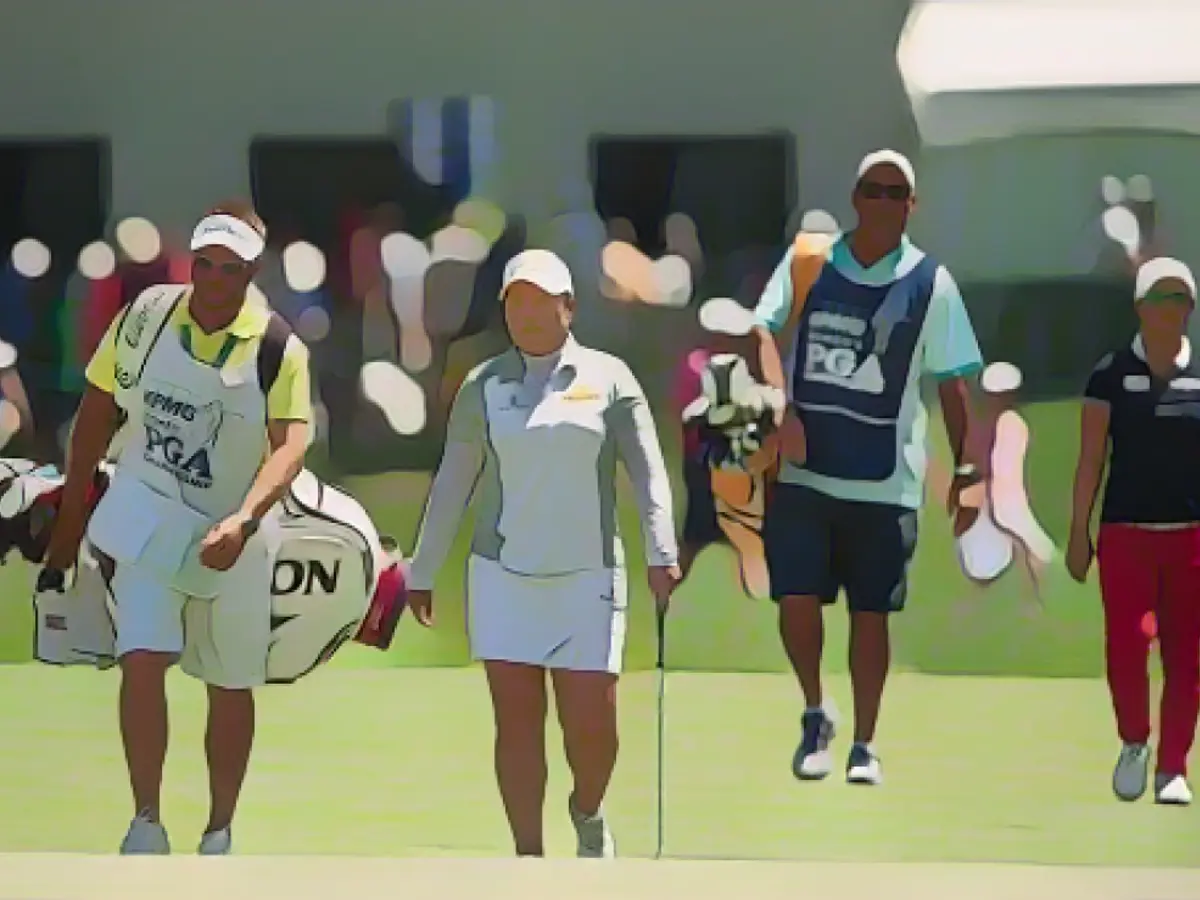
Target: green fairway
<point>390,753</point>
<point>399,763</point>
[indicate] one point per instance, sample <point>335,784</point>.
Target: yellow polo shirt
<point>290,397</point>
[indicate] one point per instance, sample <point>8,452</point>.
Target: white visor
<point>232,233</point>
<point>542,269</point>
<point>1156,270</point>
<point>893,158</point>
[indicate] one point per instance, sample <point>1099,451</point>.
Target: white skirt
<point>574,621</point>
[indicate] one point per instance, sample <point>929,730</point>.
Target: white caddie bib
<point>195,440</point>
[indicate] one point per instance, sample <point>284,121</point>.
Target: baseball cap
<point>1153,271</point>
<point>889,158</point>
<point>1000,378</point>
<point>221,230</point>
<point>542,269</point>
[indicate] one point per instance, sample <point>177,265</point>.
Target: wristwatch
<point>966,470</point>
<point>250,527</point>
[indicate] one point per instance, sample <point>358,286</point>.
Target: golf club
<point>660,615</point>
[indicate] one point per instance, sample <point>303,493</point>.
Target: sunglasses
<point>1182,298</point>
<point>205,264</point>
<point>874,190</point>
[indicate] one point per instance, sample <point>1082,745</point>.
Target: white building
<point>1007,96</point>
<point>182,88</point>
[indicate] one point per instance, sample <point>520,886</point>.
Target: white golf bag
<point>335,578</point>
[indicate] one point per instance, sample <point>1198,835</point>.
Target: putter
<point>660,615</point>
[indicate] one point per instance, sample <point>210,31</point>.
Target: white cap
<point>889,158</point>
<point>222,230</point>
<point>1152,272</point>
<point>1000,378</point>
<point>542,269</point>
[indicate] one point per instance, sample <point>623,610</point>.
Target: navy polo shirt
<point>1154,431</point>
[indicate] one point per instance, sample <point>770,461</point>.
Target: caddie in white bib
<point>214,395</point>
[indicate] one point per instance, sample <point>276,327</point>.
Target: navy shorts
<point>817,545</point>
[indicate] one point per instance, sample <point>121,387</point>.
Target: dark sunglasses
<point>1183,298</point>
<point>873,190</point>
<point>204,264</point>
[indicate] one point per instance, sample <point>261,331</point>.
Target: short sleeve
<point>1100,383</point>
<point>290,397</point>
<point>775,304</point>
<point>101,371</point>
<point>951,349</point>
<point>467,420</point>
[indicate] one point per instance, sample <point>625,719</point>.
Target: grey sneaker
<point>216,843</point>
<point>1131,775</point>
<point>862,766</point>
<point>146,837</point>
<point>593,839</point>
<point>812,760</point>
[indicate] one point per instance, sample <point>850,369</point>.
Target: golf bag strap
<point>271,351</point>
<point>807,262</point>
<point>148,313</point>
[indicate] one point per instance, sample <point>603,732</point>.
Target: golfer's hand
<point>421,604</point>
<point>1079,554</point>
<point>223,545</point>
<point>663,580</point>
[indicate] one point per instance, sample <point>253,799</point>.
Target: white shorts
<point>574,621</point>
<point>221,641</point>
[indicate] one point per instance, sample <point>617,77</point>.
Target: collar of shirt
<point>545,366</point>
<point>1182,361</point>
<point>250,322</point>
<point>892,267</point>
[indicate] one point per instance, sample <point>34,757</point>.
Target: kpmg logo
<point>169,406</point>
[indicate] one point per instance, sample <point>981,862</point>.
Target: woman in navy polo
<point>1141,416</point>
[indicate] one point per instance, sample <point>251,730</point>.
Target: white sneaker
<point>862,767</point>
<point>145,837</point>
<point>1172,790</point>
<point>593,838</point>
<point>813,760</point>
<point>1132,772</point>
<point>216,843</point>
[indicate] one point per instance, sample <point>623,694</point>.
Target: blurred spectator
<point>16,415</point>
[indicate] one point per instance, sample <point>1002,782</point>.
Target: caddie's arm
<point>453,483</point>
<point>96,423</point>
<point>773,312</point>
<point>289,412</point>
<point>952,357</point>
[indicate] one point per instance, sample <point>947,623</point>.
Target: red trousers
<point>1150,581</point>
